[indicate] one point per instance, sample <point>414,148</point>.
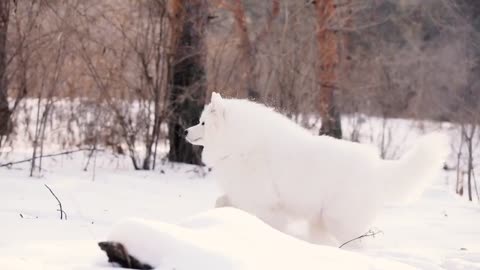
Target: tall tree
<point>188,82</point>
<point>5,121</point>
<point>328,50</point>
<point>247,46</point>
<point>248,59</point>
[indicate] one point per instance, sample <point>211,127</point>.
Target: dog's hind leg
<point>318,232</point>
<point>346,229</point>
<point>275,217</point>
<point>223,201</point>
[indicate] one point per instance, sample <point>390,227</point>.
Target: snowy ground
<point>440,231</point>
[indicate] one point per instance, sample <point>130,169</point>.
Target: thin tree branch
<point>59,203</point>
<point>9,164</point>
<point>370,233</point>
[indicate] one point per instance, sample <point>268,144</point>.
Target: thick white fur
<point>270,166</point>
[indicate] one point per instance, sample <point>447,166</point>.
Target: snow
<point>42,240</point>
<point>226,238</point>
<point>440,231</point>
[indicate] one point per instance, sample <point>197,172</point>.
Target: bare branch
<point>370,233</point>
<point>59,203</point>
<point>9,164</point>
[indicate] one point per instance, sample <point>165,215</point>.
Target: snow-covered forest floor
<point>440,231</point>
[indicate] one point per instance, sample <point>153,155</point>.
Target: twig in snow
<point>27,216</point>
<point>59,203</point>
<point>370,233</point>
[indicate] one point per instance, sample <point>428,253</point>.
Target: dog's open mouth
<point>195,140</point>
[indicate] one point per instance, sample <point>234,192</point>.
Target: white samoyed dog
<point>273,168</point>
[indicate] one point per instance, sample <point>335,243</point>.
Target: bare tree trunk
<point>470,169</point>
<point>188,83</point>
<point>248,46</point>
<point>5,121</point>
<point>328,53</point>
<point>459,184</point>
<point>248,54</point>
<point>468,135</point>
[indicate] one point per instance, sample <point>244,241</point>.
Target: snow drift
<point>228,238</point>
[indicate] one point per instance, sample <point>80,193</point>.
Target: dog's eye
<point>203,123</point>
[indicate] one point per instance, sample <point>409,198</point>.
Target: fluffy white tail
<point>407,177</point>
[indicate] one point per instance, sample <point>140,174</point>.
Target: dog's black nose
<point>185,133</point>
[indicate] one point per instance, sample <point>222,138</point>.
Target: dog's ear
<point>216,103</point>
<point>216,97</point>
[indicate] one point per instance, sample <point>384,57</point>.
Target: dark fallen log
<point>117,253</point>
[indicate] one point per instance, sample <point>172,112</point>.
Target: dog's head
<point>211,120</point>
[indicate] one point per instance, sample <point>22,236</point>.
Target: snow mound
<point>228,238</point>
